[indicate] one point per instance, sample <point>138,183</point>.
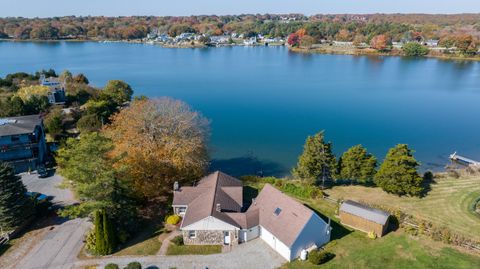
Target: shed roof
<point>364,211</point>
<point>19,125</point>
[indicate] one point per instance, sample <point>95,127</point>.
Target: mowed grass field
<point>449,203</point>
<point>394,251</point>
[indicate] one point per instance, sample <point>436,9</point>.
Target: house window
<point>192,234</point>
<point>181,210</point>
<point>15,138</point>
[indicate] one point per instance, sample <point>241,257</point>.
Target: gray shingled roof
<point>19,125</point>
<point>216,188</point>
<point>366,212</point>
<point>291,220</point>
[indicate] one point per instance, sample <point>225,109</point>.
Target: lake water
<point>264,101</point>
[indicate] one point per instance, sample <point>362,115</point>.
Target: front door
<point>226,238</point>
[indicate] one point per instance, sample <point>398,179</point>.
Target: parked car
<point>42,171</point>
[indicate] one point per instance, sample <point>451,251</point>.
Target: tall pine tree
<point>317,162</point>
<point>398,172</point>
<point>357,164</point>
<point>15,206</point>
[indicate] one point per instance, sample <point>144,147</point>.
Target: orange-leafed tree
<point>466,44</point>
<point>307,41</point>
<point>158,142</point>
<point>301,32</point>
<point>343,35</point>
<point>379,42</point>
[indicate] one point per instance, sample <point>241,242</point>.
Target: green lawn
<point>449,203</point>
<point>146,242</point>
<point>193,250</point>
<point>148,247</point>
<point>396,250</point>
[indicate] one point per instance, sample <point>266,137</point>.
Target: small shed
<point>364,218</point>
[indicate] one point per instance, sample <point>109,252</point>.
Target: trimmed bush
<point>177,240</point>
<point>134,265</point>
<point>318,256</point>
<point>173,219</point>
<point>111,266</point>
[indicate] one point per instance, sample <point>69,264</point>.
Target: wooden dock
<point>463,160</point>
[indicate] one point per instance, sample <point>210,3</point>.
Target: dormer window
<point>277,211</point>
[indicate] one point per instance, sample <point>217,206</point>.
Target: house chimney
<point>219,208</point>
<point>176,186</point>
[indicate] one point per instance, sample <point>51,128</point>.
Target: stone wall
<point>207,237</point>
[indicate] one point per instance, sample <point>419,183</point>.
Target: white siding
<point>210,223</point>
<point>249,234</point>
<point>316,231</point>
<point>275,243</point>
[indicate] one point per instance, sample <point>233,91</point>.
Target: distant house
<point>364,218</point>
<point>22,142</point>
<point>214,214</point>
<point>250,42</point>
<point>56,95</point>
<point>432,43</point>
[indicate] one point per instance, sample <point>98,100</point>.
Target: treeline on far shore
<point>330,27</point>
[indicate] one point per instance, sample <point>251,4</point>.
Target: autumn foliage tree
<point>466,44</point>
<point>293,40</point>
<point>307,41</point>
<point>379,42</point>
<point>301,32</point>
<point>158,142</point>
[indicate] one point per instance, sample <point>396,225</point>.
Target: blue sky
<point>48,8</point>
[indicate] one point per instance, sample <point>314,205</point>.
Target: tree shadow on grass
<point>338,231</point>
<point>242,166</point>
<point>147,230</point>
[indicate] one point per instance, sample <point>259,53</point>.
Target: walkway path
<point>166,242</point>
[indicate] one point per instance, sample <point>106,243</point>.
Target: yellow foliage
<point>173,219</point>
<point>372,235</point>
<point>26,93</point>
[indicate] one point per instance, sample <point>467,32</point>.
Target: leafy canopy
<point>414,49</point>
<point>159,142</point>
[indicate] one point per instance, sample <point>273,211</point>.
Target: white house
<point>213,213</point>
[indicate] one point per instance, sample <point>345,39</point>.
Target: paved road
<point>251,255</point>
<point>59,246</point>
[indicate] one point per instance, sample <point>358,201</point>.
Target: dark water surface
<point>264,101</point>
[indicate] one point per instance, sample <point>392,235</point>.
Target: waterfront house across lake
<point>214,214</point>
<point>56,94</point>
